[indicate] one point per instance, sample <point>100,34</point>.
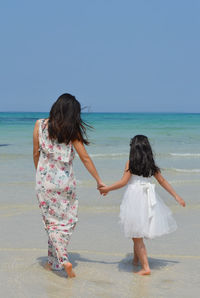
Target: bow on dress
<point>149,188</point>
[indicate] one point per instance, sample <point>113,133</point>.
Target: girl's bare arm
<point>86,160</point>
<point>36,153</point>
<point>163,182</point>
<point>119,184</point>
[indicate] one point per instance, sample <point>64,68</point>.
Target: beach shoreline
<point>101,256</point>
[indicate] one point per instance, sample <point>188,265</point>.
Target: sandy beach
<point>101,256</point>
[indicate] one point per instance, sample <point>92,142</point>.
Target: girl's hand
<point>180,201</point>
<point>163,182</point>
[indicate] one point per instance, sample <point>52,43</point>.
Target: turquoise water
<point>175,139</point>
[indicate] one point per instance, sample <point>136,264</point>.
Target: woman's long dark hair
<point>65,123</point>
<point>141,160</point>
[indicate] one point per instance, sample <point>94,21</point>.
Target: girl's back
<point>136,179</point>
<point>142,213</point>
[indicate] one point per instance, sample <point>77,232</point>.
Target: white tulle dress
<point>142,212</point>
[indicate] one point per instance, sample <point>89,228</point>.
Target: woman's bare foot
<point>68,269</point>
<point>47,266</point>
<point>144,272</point>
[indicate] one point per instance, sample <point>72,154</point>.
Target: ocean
<point>175,140</point>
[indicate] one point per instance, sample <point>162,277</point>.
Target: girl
<point>54,141</point>
<point>142,213</point>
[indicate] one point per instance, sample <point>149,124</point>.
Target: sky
<point>113,55</point>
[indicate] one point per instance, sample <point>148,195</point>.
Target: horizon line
<point>136,112</point>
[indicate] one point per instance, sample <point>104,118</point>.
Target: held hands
<point>104,190</point>
<point>101,185</point>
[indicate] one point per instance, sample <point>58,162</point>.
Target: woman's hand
<point>100,184</point>
<point>104,190</point>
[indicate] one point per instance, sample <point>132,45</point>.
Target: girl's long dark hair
<point>141,160</point>
<point>65,123</point>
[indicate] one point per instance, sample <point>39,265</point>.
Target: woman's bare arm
<point>119,184</point>
<point>86,160</point>
<point>163,182</point>
<point>36,153</point>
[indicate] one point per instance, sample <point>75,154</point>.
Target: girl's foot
<point>144,272</point>
<point>68,269</point>
<point>47,266</point>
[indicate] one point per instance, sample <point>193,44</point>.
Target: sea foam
<point>185,154</point>
<point>182,170</point>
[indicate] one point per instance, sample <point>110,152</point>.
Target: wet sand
<point>101,256</point>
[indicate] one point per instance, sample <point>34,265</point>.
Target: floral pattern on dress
<point>56,193</point>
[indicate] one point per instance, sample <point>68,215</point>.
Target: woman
<point>54,141</point>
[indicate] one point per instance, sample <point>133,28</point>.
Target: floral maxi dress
<point>56,193</point>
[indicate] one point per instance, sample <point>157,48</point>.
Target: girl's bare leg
<point>142,255</point>
<point>135,256</point>
<point>68,269</point>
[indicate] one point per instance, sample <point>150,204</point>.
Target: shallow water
<point>175,140</point>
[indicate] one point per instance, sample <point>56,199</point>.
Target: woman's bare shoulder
<point>42,120</point>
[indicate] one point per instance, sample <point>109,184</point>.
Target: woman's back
<point>54,171</point>
<point>51,149</point>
